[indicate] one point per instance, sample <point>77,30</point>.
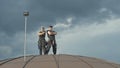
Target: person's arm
<point>55,33</point>
<point>41,33</point>
<point>52,33</point>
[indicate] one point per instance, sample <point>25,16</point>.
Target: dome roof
<point>57,61</point>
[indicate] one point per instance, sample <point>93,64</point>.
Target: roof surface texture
<point>57,61</point>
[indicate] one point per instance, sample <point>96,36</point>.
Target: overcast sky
<point>85,27</point>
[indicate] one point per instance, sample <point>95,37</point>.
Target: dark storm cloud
<point>11,20</point>
<point>49,11</point>
<point>112,5</point>
<point>70,7</point>
<point>46,12</point>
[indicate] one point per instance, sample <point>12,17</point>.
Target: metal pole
<point>25,39</point>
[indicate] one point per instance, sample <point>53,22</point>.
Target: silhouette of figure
<point>42,42</point>
<point>51,42</point>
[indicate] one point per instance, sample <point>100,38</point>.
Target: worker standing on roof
<point>51,42</point>
<point>42,42</point>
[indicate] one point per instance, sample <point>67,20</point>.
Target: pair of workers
<point>43,45</point>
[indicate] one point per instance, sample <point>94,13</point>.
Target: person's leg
<point>40,50</point>
<point>40,47</point>
<point>48,46</point>
<point>45,47</point>
<point>54,47</point>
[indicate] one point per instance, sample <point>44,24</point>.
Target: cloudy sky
<point>85,27</point>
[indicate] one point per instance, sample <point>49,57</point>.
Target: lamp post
<point>26,14</point>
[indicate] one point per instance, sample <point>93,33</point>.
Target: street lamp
<point>26,14</point>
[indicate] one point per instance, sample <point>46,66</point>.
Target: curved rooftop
<point>57,61</point>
